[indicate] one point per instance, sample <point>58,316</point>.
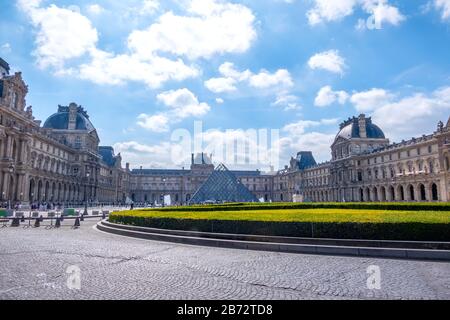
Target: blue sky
<point>145,68</point>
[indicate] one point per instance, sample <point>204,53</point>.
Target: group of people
<point>45,206</point>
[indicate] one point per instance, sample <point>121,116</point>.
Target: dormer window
<point>78,142</point>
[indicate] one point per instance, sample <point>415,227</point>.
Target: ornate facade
<point>59,162</point>
<point>364,166</point>
<point>150,185</point>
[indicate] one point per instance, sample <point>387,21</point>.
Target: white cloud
<point>219,85</point>
<point>153,56</point>
<point>370,100</point>
<point>211,27</point>
<point>183,103</point>
<point>444,6</point>
<point>384,13</point>
<point>95,9</point>
<point>326,96</point>
<point>264,79</point>
<point>149,7</point>
<point>328,11</point>
<point>180,104</point>
<point>299,127</point>
<point>107,68</point>
<point>328,60</point>
<point>287,102</point>
<point>5,48</point>
<point>148,156</point>
<point>219,101</point>
<point>155,123</point>
<point>227,69</point>
<point>297,138</point>
<point>279,80</point>
<point>256,154</point>
<point>413,115</point>
<point>62,34</point>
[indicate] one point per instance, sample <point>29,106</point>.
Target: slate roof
<point>60,120</point>
<point>107,154</point>
<point>305,159</point>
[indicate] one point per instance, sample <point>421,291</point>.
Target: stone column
<point>2,146</point>
<point>417,193</point>
<point>26,188</point>
<point>5,185</point>
<point>19,187</point>
<point>443,194</point>
<point>9,147</point>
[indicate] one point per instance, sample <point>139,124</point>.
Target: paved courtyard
<point>33,265</point>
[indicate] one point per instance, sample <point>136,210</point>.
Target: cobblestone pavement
<point>33,265</point>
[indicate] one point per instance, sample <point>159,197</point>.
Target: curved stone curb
<point>292,240</point>
<point>176,237</point>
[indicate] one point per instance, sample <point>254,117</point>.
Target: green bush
<point>404,206</point>
<point>413,231</point>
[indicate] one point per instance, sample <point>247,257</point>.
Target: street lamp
<point>85,195</point>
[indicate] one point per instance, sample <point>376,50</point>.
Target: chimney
<point>203,159</point>
<point>192,158</point>
<point>362,126</point>
<point>127,166</point>
<point>73,109</point>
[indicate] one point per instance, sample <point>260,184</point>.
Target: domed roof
<point>351,129</point>
<point>60,120</point>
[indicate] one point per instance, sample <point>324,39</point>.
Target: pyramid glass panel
<point>222,186</point>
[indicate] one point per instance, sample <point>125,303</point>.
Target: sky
<point>150,72</point>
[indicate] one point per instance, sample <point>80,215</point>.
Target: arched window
<point>434,192</point>
<point>411,192</point>
<point>401,193</point>
<point>423,196</point>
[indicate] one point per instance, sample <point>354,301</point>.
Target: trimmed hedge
<point>404,206</point>
<point>413,231</point>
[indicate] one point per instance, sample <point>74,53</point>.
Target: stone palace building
<point>61,161</point>
<point>364,167</point>
<point>58,162</point>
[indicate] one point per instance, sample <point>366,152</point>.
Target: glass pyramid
<point>222,186</point>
